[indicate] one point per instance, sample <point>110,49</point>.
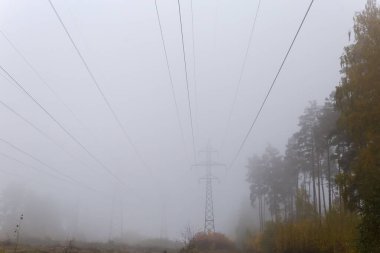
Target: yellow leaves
<point>253,243</point>
<point>211,241</point>
<point>337,232</point>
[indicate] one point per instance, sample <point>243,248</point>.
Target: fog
<point>146,186</point>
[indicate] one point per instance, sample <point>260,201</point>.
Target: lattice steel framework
<point>209,205</point>
<point>209,226</point>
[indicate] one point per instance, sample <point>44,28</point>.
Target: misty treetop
<point>306,169</point>
<point>358,101</point>
<point>330,170</point>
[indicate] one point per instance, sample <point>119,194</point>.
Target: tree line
<point>331,165</point>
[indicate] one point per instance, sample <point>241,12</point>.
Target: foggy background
<point>122,45</point>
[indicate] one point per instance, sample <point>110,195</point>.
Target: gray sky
<point>121,42</point>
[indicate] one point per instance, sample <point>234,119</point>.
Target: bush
<point>337,232</point>
<point>211,241</point>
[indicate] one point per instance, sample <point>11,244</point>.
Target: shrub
<point>211,241</point>
<point>336,232</point>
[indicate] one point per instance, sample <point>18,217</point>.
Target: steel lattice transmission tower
<point>208,164</point>
<point>209,205</point>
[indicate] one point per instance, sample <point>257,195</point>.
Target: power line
<point>170,76</point>
<point>271,87</point>
<point>108,104</point>
<point>38,160</point>
<point>186,75</point>
<point>36,72</point>
<point>39,130</point>
<point>35,168</point>
<point>18,175</point>
<point>66,177</point>
<point>61,126</point>
<point>194,68</point>
<point>241,73</point>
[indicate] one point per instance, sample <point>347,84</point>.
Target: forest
<point>190,126</point>
<point>323,193</point>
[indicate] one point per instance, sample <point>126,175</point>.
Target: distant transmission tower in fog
<point>209,226</point>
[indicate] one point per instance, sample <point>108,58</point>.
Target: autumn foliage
<point>323,193</point>
<point>336,233</point>
<point>211,241</point>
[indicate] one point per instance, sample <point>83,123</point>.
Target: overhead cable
<point>187,79</point>
<point>271,87</point>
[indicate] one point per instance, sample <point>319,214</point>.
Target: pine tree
<point>358,100</point>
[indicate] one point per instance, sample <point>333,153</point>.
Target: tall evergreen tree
<point>358,100</point>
